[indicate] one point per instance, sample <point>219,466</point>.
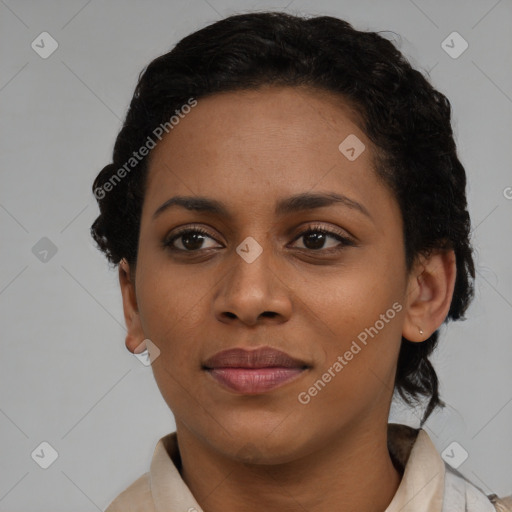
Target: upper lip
<point>264,357</point>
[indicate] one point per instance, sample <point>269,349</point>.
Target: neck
<point>352,471</point>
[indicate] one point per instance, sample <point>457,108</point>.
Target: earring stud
<point>421,332</point>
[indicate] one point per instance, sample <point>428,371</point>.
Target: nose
<point>253,292</point>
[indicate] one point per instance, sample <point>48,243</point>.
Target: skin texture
<point>268,451</point>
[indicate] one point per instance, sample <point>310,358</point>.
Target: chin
<point>261,446</point>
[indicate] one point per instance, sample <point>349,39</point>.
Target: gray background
<point>65,375</point>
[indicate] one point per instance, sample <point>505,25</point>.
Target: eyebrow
<point>292,204</point>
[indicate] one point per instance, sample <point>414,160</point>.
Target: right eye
<point>191,240</point>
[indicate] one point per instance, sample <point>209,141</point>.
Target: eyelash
<point>346,241</point>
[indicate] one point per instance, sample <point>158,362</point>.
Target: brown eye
<point>315,238</point>
<point>191,240</point>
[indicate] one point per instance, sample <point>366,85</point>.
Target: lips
<point>265,357</point>
<point>254,371</point>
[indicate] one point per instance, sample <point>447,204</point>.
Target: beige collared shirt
<point>427,485</point>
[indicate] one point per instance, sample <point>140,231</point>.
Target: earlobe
<point>134,335</point>
<point>429,294</point>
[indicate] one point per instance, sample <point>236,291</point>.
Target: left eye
<point>314,239</point>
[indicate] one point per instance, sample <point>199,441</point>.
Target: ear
<point>134,335</point>
<point>429,294</point>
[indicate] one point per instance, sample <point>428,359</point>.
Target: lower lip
<point>257,380</point>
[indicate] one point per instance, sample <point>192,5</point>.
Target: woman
<point>288,213</point>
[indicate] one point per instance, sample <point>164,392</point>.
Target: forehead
<point>280,115</point>
<point>249,145</point>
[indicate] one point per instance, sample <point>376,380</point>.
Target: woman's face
<point>254,279</point>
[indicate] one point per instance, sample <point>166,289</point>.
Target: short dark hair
<point>406,119</point>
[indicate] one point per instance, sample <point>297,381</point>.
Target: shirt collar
<point>421,488</point>
<point>168,489</point>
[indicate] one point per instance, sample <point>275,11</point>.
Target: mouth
<point>255,371</point>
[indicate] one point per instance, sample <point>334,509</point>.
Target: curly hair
<point>406,119</point>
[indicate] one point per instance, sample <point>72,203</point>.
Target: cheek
<point>354,299</point>
<point>175,323</point>
<point>173,317</point>
<point>359,319</point>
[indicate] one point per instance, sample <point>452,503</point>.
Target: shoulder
<point>135,498</point>
<point>462,494</point>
